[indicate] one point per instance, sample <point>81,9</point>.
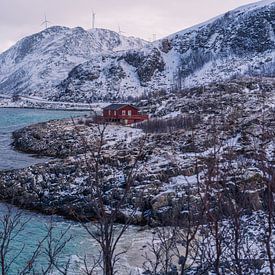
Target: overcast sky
<point>141,18</point>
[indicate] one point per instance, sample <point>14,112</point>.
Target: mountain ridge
<point>239,42</point>
<point>38,62</point>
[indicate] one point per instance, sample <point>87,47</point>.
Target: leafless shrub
<point>159,125</point>
<point>161,252</point>
<point>104,230</point>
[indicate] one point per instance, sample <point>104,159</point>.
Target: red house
<point>123,113</point>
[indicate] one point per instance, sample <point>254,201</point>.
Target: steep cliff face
<point>111,77</point>
<point>37,63</point>
<point>240,42</point>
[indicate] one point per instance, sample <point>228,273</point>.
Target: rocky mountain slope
<point>75,65</point>
<point>37,63</point>
<point>240,42</point>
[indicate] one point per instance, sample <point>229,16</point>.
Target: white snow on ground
<point>116,133</point>
<point>37,102</point>
<point>39,62</point>
<point>135,244</point>
<point>242,9</point>
<point>184,181</point>
<point>186,63</point>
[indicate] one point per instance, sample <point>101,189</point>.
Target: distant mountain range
<point>65,64</point>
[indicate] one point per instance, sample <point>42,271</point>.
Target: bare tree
<point>108,199</point>
<point>161,252</point>
<point>265,164</point>
<point>53,249</point>
<point>13,224</point>
<point>189,226</point>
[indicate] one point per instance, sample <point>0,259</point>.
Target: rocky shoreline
<point>173,166</point>
<point>60,186</point>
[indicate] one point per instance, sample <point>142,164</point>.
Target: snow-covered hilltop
<point>37,63</point>
<point>75,65</point>
<point>240,42</point>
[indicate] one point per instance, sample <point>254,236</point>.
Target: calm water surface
<point>81,243</point>
<point>13,119</point>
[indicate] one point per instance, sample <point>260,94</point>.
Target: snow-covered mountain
<point>240,42</point>
<point>37,63</point>
<point>65,64</point>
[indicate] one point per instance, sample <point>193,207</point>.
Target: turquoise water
<point>81,245</point>
<point>13,119</point>
<point>35,229</point>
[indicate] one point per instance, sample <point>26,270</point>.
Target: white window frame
<point>109,112</point>
<point>129,112</point>
<point>114,113</point>
<point>123,112</point>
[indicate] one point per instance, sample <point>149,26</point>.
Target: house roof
<point>117,106</point>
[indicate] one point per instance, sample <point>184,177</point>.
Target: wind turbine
<point>45,22</point>
<point>120,32</point>
<point>93,20</point>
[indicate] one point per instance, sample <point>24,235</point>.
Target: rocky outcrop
<point>149,65</point>
<point>166,45</point>
<point>47,139</point>
<point>146,65</point>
